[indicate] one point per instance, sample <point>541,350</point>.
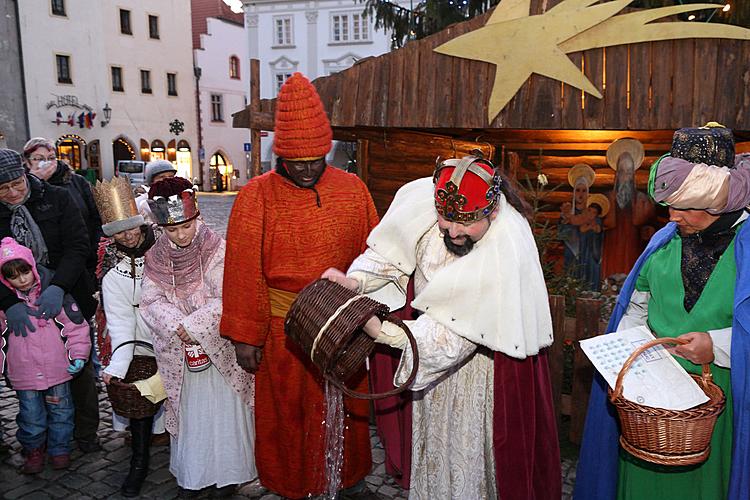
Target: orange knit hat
<point>302,131</point>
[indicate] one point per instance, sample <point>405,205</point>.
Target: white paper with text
<point>655,379</point>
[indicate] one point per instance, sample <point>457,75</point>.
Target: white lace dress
<point>209,414</point>
<point>452,454</point>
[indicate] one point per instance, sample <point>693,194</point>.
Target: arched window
<point>234,67</point>
<point>158,151</point>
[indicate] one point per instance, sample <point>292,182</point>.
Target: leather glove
<point>76,367</point>
<point>18,319</point>
<point>49,302</point>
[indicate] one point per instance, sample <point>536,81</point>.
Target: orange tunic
<point>278,237</point>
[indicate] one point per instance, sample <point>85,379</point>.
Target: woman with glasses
<point>42,162</point>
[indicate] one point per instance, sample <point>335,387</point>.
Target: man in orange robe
<point>287,227</point>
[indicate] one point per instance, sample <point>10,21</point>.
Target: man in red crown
<point>483,419</point>
<point>286,227</point>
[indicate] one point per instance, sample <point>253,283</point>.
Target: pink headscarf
<point>181,269</point>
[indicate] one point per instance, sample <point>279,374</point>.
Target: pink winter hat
<point>10,249</point>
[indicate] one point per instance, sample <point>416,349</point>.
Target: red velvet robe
<point>279,237</point>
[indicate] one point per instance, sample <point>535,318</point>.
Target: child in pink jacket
<point>40,364</point>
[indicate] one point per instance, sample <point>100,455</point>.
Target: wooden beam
<point>587,325</point>
<point>255,107</point>
<point>247,118</point>
<point>556,354</point>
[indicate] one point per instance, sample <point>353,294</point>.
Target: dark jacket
<point>80,189</point>
<point>59,219</point>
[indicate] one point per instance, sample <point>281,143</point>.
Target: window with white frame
<point>217,108</point>
<point>282,26</point>
<point>281,69</point>
<point>349,27</point>
<point>281,77</point>
<point>346,61</point>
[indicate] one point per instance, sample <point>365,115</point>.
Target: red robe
<point>278,237</point>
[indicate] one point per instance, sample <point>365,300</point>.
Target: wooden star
<point>520,44</point>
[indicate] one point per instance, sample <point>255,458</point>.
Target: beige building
<point>111,81</point>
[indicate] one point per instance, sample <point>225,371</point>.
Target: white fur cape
<point>494,296</point>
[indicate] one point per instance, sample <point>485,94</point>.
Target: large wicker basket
<point>326,321</point>
<point>668,437</point>
<point>125,398</point>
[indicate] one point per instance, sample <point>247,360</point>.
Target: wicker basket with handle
<point>326,321</point>
<point>668,437</point>
<point>125,398</point>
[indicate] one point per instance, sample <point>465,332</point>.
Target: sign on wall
<point>83,119</point>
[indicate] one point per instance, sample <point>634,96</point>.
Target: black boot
<point>140,430</point>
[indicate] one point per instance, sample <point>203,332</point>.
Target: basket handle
<point>415,366</point>
<point>617,392</point>
<point>141,343</point>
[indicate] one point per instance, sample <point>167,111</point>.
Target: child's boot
<point>34,463</point>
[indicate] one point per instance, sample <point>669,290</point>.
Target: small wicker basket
<point>668,437</point>
<point>125,398</point>
<point>326,321</point>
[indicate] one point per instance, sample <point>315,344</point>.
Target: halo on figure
<point>581,170</point>
<point>625,145</point>
<point>601,200</point>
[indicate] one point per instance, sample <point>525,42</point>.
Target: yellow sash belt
<point>281,301</point>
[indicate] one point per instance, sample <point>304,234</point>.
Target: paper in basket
<point>656,379</point>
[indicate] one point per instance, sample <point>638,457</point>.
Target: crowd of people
<point>137,283</point>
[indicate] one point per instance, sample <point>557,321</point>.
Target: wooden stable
<point>408,107</point>
<point>411,105</point>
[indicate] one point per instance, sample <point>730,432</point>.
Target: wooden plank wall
<point>658,85</point>
<point>390,159</point>
<point>554,152</point>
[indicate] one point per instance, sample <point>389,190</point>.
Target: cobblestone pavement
<point>100,474</point>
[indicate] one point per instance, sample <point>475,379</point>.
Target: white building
<point>316,38</point>
<point>223,85</point>
<point>106,79</point>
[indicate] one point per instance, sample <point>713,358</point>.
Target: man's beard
<point>455,249</point>
<point>624,188</point>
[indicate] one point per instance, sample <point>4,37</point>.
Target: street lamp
<point>107,114</point>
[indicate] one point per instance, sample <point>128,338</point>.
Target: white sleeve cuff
<point>722,340</point>
<point>392,335</point>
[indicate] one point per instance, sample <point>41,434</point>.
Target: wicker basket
<point>668,437</point>
<point>326,321</point>
<point>124,396</point>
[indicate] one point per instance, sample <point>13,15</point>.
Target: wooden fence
<point>568,331</point>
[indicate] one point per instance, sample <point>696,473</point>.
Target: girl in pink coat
<point>40,364</point>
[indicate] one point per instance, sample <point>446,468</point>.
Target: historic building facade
<point>110,81</point>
